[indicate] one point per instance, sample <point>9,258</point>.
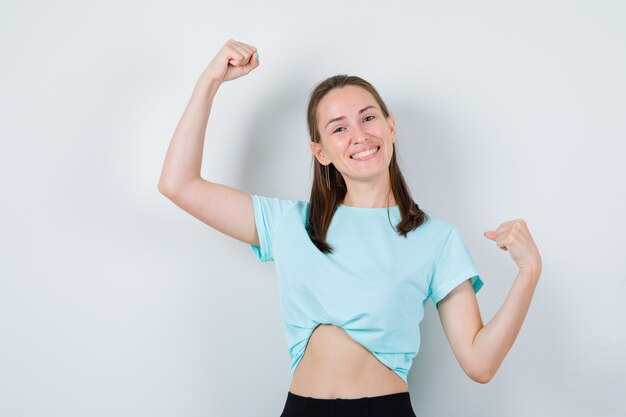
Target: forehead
<point>344,101</point>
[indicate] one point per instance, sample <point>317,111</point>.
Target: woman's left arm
<point>480,349</point>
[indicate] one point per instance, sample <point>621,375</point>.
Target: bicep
<point>224,208</point>
<point>460,318</point>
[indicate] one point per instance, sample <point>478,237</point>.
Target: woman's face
<point>350,122</point>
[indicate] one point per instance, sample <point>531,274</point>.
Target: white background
<point>115,302</point>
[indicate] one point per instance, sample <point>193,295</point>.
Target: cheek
<point>380,128</point>
<point>330,149</point>
<point>339,142</point>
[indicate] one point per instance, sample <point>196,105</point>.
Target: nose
<point>359,134</point>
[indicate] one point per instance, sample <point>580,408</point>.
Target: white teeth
<point>364,153</point>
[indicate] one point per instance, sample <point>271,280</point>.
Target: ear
<point>318,153</point>
<point>391,121</point>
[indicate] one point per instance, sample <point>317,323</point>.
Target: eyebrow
<point>343,117</point>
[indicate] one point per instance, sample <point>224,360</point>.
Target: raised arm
<point>480,349</point>
<point>224,208</point>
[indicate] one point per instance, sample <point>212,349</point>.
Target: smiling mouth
<point>365,154</point>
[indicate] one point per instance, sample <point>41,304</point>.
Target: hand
<point>234,60</point>
<point>513,236</point>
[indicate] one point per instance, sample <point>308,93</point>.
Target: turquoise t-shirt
<point>374,285</point>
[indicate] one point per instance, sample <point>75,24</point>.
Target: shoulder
<point>271,211</point>
<point>276,202</point>
<point>437,227</point>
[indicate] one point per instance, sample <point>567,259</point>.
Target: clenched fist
<point>234,60</point>
<point>513,236</point>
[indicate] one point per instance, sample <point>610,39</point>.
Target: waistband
<point>397,405</point>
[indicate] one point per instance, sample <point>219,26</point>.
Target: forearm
<point>184,154</point>
<point>495,339</point>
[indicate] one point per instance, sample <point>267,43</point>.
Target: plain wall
<point>115,302</point>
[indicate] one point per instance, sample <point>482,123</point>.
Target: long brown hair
<point>324,201</point>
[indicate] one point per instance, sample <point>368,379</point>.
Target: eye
<point>334,131</point>
<point>373,117</point>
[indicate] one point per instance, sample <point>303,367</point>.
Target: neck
<point>371,194</point>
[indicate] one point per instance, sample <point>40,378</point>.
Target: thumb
<point>490,235</point>
<point>252,64</point>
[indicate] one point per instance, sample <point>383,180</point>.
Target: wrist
<point>208,83</point>
<point>532,272</point>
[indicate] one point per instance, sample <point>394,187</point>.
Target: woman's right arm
<point>224,208</point>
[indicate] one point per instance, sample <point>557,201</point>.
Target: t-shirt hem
<point>473,275</point>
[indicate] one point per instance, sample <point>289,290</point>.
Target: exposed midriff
<point>336,366</point>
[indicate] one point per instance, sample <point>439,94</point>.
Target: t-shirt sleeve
<point>452,266</point>
<point>268,213</point>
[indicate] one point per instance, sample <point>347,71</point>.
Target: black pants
<point>391,405</point>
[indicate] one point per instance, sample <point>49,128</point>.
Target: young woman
<point>357,263</point>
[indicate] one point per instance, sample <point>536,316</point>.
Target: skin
<point>334,365</point>
<point>367,181</point>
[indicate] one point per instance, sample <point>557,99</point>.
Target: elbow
<point>167,188</point>
<point>163,189</point>
<point>482,378</point>
<point>482,375</point>
<point>170,188</point>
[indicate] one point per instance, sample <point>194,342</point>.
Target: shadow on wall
<point>277,159</point>
<point>431,163</point>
